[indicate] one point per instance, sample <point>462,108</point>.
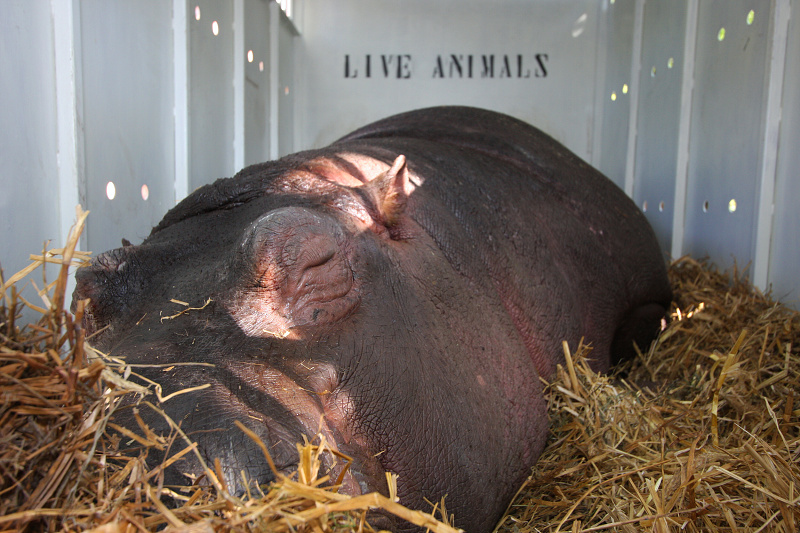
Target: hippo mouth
<point>248,421</point>
<point>290,415</point>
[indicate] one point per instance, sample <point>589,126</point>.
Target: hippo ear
<point>387,192</point>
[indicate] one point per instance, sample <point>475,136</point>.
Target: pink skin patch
<point>353,170</point>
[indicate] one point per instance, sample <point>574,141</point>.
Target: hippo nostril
<point>114,260</point>
<point>87,284</point>
<point>108,282</point>
<point>89,323</point>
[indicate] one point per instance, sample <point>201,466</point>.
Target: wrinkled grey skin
<point>404,313</point>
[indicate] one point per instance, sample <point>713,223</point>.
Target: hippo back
<point>567,252</point>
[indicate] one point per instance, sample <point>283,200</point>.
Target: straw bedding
<point>700,433</point>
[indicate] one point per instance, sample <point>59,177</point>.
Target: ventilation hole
<point>215,27</point>
<point>249,56</point>
<point>579,26</point>
<point>670,62</point>
<point>732,203</point>
<point>614,97</point>
<point>751,16</point>
<point>196,12</point>
<point>624,88</point>
<point>111,190</point>
<point>145,192</point>
<point>705,206</point>
<point>721,34</point>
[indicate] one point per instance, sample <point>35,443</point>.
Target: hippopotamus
<point>401,293</point>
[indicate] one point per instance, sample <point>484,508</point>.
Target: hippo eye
<point>320,260</point>
<point>316,251</point>
<point>304,275</point>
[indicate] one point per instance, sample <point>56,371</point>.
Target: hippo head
<point>245,307</point>
<point>303,300</point>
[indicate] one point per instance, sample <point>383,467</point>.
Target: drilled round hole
<point>705,206</point>
<point>614,97</point>
<point>732,205</point>
<point>644,206</point>
<point>721,34</point>
<point>661,206</point>
<point>196,12</point>
<point>751,16</point>
<point>145,192</point>
<point>215,27</point>
<point>111,190</point>
<point>249,56</point>
<point>670,62</point>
